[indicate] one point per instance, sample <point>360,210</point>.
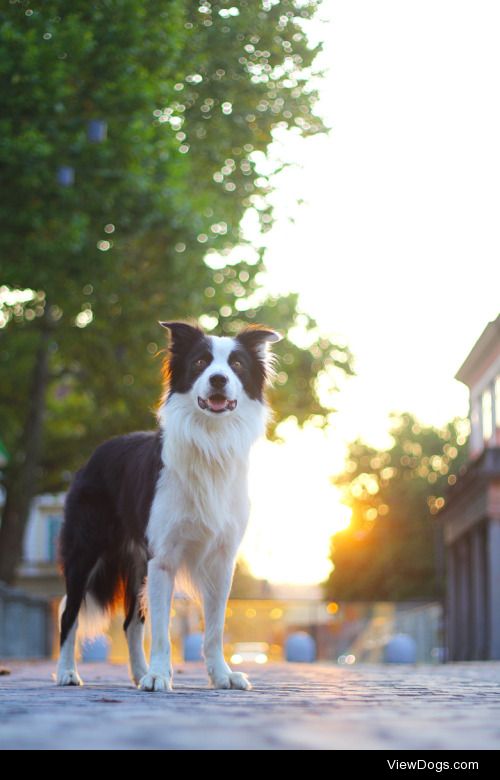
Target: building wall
<point>485,408</point>
<point>44,524</point>
<point>39,571</point>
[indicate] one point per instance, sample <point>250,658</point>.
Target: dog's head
<point>218,373</point>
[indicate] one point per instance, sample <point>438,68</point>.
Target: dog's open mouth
<point>217,403</point>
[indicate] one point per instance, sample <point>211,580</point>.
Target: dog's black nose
<point>218,381</point>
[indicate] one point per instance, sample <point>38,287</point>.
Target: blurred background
<point>330,169</point>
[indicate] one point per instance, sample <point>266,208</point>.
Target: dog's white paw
<point>236,680</point>
<point>155,682</point>
<point>68,677</point>
<point>137,673</point>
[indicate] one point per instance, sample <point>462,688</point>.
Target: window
<point>497,401</point>
<point>54,523</point>
<point>487,415</point>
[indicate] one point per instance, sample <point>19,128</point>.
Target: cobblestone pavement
<point>456,706</point>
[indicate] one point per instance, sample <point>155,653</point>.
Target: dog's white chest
<point>198,506</point>
<point>202,493</point>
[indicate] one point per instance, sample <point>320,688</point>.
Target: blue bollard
<point>400,649</point>
<point>96,649</point>
<point>193,647</point>
<point>300,648</point>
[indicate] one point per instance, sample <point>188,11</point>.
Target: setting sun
<point>295,508</point>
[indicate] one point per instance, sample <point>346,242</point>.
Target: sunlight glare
<point>295,508</point>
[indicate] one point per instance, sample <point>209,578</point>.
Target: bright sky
<point>396,248</point>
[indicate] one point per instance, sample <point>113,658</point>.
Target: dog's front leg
<point>215,595</point>
<point>160,591</point>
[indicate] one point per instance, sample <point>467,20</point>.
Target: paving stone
<point>317,706</point>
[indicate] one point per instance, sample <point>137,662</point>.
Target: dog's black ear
<point>256,339</point>
<point>257,336</point>
<point>182,334</point>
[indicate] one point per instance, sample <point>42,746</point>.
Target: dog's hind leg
<point>67,673</point>
<point>76,581</point>
<point>134,624</point>
<point>135,640</point>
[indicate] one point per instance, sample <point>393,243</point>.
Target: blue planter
<point>401,649</point>
<point>96,649</point>
<point>193,647</point>
<point>300,648</point>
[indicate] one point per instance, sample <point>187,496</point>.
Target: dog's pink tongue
<point>217,404</point>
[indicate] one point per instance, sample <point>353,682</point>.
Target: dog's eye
<point>200,364</point>
<point>237,365</point>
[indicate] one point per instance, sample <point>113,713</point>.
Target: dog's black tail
<point>112,583</point>
<point>93,576</point>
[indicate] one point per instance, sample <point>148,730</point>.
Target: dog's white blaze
<point>222,346</point>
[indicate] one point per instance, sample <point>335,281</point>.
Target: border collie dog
<point>168,504</point>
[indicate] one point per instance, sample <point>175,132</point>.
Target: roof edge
<point>482,346</point>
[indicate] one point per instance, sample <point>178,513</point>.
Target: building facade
<point>471,515</point>
<point>39,571</point>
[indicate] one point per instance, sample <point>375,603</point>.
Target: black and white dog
<point>168,503</point>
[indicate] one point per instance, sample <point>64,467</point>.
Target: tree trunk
<point>22,476</point>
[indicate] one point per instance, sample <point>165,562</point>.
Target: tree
<point>246,586</point>
<point>189,93</point>
<point>390,550</point>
